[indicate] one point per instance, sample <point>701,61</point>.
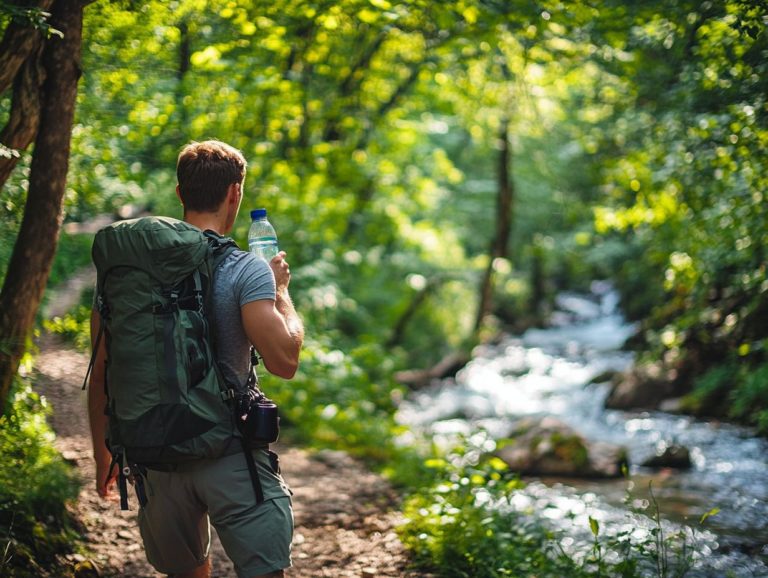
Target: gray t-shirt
<point>240,279</point>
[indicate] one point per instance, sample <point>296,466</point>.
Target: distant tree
<point>44,70</point>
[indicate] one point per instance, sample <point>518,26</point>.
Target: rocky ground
<point>345,515</point>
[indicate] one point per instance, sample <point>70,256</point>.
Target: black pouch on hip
<point>257,417</point>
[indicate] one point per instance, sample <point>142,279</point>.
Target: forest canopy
<point>405,148</point>
<point>440,168</point>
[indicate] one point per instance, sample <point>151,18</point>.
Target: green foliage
<point>73,253</point>
<point>734,389</point>
<point>7,238</point>
<point>35,487</point>
<point>711,389</point>
<point>750,397</point>
<point>26,16</point>
<point>684,193</point>
<point>75,327</point>
<point>448,534</point>
<point>670,552</point>
<point>342,400</point>
<point>465,524</point>
<point>460,528</point>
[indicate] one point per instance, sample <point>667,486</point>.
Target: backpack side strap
<point>102,325</point>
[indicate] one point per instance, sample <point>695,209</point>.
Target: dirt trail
<point>345,515</point>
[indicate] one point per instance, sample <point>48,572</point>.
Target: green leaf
<point>712,512</point>
<point>594,526</point>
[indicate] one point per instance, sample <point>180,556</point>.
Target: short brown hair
<point>205,171</point>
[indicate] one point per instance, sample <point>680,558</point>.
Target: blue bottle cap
<point>258,214</point>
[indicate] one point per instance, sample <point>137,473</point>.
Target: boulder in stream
<point>670,456</point>
<point>644,387</point>
<point>549,447</point>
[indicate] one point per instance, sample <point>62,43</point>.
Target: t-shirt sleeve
<point>253,280</point>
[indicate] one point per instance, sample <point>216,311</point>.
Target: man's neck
<point>206,221</point>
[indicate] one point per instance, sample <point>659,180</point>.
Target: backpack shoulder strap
<point>222,247</point>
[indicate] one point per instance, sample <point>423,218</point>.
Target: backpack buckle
<point>102,307</point>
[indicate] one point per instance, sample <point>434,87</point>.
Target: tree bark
<point>35,245</point>
<point>504,214</point>
<point>24,118</point>
<point>18,43</point>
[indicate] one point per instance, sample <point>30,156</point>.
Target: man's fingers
<point>106,493</point>
<point>104,485</point>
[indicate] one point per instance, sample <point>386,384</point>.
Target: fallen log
<point>448,366</point>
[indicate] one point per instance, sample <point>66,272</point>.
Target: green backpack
<point>167,400</point>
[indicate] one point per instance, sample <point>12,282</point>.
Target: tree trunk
<point>24,118</point>
<point>538,286</point>
<point>20,64</point>
<point>504,213</point>
<point>18,43</point>
<point>184,66</point>
<point>407,316</point>
<point>36,243</point>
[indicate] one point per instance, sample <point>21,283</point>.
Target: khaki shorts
<point>175,522</point>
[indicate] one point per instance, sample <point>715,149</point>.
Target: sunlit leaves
<point>688,185</point>
<point>375,124</point>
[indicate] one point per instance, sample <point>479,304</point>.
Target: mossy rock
<point>548,447</point>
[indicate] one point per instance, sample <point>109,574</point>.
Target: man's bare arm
<point>275,330</point>
<point>273,327</point>
<point>97,403</point>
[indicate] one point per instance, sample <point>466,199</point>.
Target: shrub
<point>466,524</point>
<point>35,487</point>
<point>74,326</point>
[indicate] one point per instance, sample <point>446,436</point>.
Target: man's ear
<point>178,194</point>
<point>234,193</point>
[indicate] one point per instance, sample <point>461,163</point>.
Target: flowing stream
<point>550,372</point>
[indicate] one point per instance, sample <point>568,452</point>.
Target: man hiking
<point>191,471</point>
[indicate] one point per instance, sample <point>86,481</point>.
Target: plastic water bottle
<point>262,239</point>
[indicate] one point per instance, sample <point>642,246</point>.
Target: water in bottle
<point>262,239</point>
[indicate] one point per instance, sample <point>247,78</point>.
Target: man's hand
<point>105,479</point>
<point>282,272</point>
